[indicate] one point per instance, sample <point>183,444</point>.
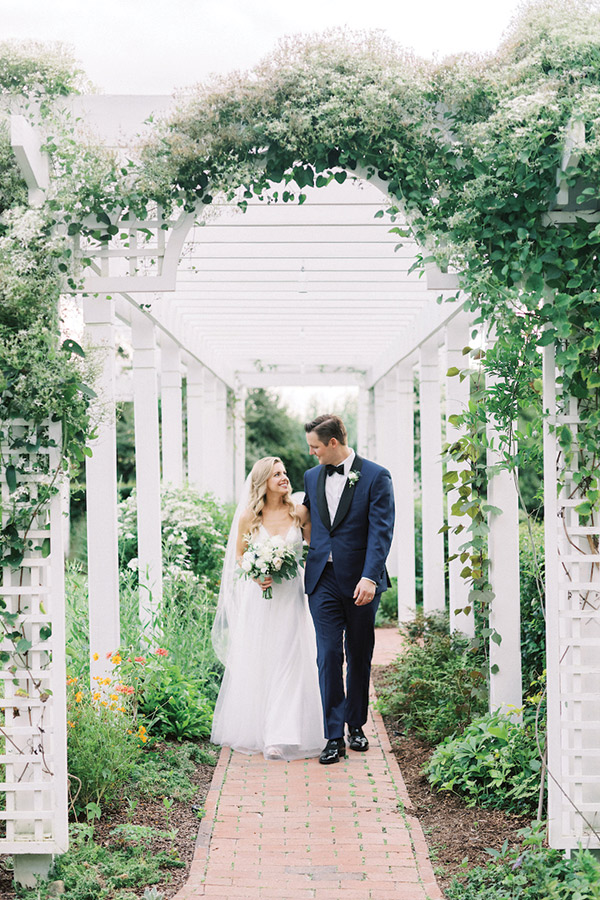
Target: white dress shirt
<point>334,487</point>
<point>335,484</point>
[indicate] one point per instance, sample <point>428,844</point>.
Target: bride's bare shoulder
<point>245,520</point>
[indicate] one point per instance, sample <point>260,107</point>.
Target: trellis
<point>33,824</point>
<point>146,266</point>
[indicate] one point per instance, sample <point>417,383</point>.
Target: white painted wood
<point>239,435</point>
<point>34,783</point>
<point>196,426</point>
<point>26,142</point>
<point>404,480</point>
<point>506,691</point>
<point>362,425</point>
<point>101,489</point>
<point>572,639</point>
<point>147,466</point>
<point>217,455</point>
<point>171,412</point>
<point>434,591</point>
<point>457,400</point>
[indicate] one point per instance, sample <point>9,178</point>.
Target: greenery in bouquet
<point>273,558</point>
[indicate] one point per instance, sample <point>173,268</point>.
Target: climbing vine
<point>469,148</point>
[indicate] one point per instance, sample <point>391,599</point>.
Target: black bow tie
<point>331,469</point>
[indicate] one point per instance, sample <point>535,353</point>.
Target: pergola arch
<point>136,281</point>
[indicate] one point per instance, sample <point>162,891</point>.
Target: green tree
<point>272,431</point>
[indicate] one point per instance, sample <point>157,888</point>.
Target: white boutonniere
<point>353,477</point>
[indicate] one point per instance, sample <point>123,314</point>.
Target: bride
<point>269,700</point>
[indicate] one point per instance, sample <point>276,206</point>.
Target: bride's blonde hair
<point>260,474</point>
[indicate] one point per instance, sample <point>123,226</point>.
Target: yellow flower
<point>143,738</point>
<point>104,703</point>
<point>95,657</point>
<point>120,709</point>
<point>116,659</point>
<point>114,696</point>
<point>71,724</point>
<point>97,695</point>
<point>106,680</point>
<point>78,697</point>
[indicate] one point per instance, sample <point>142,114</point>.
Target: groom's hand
<point>364,592</point>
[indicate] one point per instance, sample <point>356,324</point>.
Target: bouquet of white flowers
<point>271,557</point>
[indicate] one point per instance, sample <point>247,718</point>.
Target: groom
<point>351,503</point>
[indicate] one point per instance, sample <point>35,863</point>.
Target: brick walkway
<point>302,831</point>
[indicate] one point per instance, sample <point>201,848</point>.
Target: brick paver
<point>302,831</point>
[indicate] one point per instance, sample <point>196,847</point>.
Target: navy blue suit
<point>358,541</point>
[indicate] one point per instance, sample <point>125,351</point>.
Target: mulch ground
<point>454,832</point>
<point>182,818</point>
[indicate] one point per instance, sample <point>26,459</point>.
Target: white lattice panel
<point>129,254</point>
<point>33,758</point>
<point>573,639</point>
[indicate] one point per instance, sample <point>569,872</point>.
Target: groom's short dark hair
<point>327,427</point>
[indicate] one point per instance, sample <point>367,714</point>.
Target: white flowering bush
<point>194,534</point>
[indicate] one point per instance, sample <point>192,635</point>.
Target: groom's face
<point>325,453</point>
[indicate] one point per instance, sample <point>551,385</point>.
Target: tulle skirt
<point>269,700</point>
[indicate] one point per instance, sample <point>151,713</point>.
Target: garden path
<point>299,830</point>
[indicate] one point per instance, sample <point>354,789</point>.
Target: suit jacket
<point>360,536</point>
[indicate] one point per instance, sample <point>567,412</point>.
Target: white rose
<point>277,563</point>
<point>246,564</point>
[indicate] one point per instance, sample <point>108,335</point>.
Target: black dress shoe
<point>357,739</point>
<point>333,752</point>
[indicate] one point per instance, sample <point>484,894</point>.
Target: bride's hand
<point>265,582</point>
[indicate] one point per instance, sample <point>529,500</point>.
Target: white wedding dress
<point>269,700</point>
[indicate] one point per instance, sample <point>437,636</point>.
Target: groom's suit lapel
<point>347,494</point>
<point>321,498</point>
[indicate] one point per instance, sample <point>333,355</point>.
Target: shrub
<point>387,613</point>
<point>194,530</point>
<point>169,703</point>
<point>102,744</point>
<point>532,872</point>
<point>533,626</point>
<point>494,763</point>
<point>435,687</point>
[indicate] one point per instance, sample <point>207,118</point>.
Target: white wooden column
<point>365,400</point>
<point>196,425</point>
<point>388,439</point>
<point>218,462</point>
<point>505,612</point>
<point>239,433</point>
<point>147,465</point>
<point>171,412</point>
<point>431,477</point>
<point>101,489</point>
<point>457,401</point>
<point>405,496</point>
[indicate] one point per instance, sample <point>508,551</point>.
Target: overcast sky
<point>157,46</point>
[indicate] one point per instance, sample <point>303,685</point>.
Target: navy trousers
<point>341,626</point>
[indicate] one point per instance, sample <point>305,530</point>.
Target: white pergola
<point>316,293</point>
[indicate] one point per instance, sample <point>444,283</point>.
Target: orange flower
<point>71,724</point>
<point>97,695</point>
<point>125,689</point>
<point>104,703</point>
<point>116,659</point>
<point>140,659</point>
<point>78,697</point>
<point>114,696</point>
<point>160,651</point>
<point>95,657</point>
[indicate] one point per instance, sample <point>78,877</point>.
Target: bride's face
<point>278,482</point>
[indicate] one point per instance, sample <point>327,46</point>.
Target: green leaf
<point>46,547</point>
<point>452,371</point>
<point>11,478</point>
<point>71,346</point>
